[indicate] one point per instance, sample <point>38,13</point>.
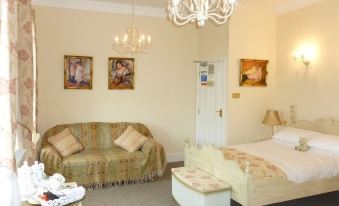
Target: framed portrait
<point>120,73</point>
<point>78,72</point>
<point>253,72</point>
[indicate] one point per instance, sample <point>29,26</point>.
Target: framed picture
<point>253,72</point>
<point>120,73</point>
<point>78,72</point>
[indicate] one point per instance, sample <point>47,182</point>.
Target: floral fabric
<point>26,77</point>
<point>8,82</point>
<point>16,78</point>
<point>102,163</point>
<point>199,180</point>
<point>259,167</point>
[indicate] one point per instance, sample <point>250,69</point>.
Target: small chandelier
<point>133,41</point>
<point>185,11</point>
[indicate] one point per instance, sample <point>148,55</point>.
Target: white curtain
<point>9,189</point>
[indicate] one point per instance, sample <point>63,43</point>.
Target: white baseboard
<point>175,157</point>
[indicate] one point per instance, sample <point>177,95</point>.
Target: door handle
<point>219,112</point>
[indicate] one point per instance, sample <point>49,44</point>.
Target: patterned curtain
<point>17,81</point>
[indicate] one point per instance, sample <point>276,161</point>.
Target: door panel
<point>210,104</point>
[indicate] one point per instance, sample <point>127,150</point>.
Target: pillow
<point>326,142</point>
<point>65,143</point>
<point>131,140</point>
<point>291,134</point>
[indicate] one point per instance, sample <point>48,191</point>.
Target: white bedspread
<point>298,166</point>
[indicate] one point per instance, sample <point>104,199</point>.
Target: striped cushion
<point>131,140</point>
<point>65,143</point>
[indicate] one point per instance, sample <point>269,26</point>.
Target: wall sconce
<point>302,59</point>
<point>304,55</point>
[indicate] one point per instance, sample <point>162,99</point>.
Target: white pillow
<point>291,134</point>
<point>325,142</point>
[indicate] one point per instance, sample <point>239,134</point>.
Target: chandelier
<point>133,41</point>
<point>185,11</point>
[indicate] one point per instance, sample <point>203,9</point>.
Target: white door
<point>210,112</point>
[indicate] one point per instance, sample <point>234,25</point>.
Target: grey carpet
<point>158,193</point>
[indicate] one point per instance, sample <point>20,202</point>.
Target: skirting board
<point>175,157</point>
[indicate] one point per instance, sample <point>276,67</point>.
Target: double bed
<point>272,171</point>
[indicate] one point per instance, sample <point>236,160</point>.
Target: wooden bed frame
<point>266,190</point>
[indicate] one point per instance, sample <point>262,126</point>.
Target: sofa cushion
<point>131,140</point>
<point>199,179</point>
<point>65,143</point>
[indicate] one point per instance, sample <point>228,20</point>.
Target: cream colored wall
<point>314,91</point>
<point>212,46</point>
<point>252,34</point>
<point>212,42</point>
<point>164,94</point>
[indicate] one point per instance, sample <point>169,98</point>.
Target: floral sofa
<point>102,163</point>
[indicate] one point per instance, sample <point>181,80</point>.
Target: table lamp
<point>272,118</point>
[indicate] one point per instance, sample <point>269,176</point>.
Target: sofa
<point>102,163</point>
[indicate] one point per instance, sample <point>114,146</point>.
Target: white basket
<point>70,195</point>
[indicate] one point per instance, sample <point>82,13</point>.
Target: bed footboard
<point>211,160</point>
<point>246,191</point>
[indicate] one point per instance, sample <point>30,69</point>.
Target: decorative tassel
<point>146,178</point>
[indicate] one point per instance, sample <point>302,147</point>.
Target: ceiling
<point>279,6</point>
<point>163,3</point>
<point>157,7</point>
<point>151,3</point>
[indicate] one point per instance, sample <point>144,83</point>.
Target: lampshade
<point>272,118</point>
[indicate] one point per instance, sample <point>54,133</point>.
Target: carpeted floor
<point>158,193</point>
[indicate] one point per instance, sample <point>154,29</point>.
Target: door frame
<point>225,99</point>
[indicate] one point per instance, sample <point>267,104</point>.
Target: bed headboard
<point>327,125</point>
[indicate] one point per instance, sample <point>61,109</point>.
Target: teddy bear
<point>302,147</point>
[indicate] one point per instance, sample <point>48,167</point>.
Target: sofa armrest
<point>147,146</point>
<point>155,154</point>
<point>51,158</point>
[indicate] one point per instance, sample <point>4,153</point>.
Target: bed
<point>249,189</point>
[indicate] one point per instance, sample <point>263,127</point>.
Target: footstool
<point>194,187</point>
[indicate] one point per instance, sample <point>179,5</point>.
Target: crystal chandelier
<point>185,11</point>
<point>133,41</point>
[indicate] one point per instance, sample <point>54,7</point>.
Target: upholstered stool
<point>194,187</point>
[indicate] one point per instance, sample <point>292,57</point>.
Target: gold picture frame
<point>78,72</point>
<point>121,73</point>
<point>253,72</point>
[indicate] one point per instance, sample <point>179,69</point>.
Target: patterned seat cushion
<point>199,180</point>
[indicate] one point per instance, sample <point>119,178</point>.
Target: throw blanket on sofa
<point>102,163</point>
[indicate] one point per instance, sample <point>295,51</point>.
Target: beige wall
<point>252,34</point>
<point>164,94</point>
<point>212,46</point>
<point>212,42</point>
<point>314,91</point>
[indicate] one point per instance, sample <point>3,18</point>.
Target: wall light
<point>304,55</point>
